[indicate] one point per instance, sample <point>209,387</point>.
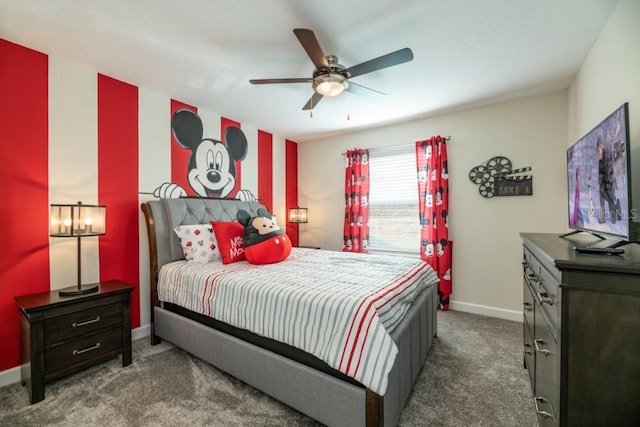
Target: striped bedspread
<point>338,306</point>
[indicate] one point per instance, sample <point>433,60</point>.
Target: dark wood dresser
<point>582,331</point>
<point>63,335</point>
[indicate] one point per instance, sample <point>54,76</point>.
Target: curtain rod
<point>446,138</point>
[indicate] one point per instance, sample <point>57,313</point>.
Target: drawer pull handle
<point>86,322</point>
<point>527,345</point>
<point>544,298</point>
<point>76,352</point>
<point>528,306</point>
<point>538,349</point>
<point>543,413</point>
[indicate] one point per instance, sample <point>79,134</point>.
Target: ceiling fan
<point>330,78</point>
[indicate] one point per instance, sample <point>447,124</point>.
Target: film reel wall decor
<point>496,178</point>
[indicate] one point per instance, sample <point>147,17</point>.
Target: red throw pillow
<point>230,240</point>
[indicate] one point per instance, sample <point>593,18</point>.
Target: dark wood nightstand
<point>63,335</point>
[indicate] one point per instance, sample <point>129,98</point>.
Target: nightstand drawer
<point>83,322</point>
<point>86,348</point>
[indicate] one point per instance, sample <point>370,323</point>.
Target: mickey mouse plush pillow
<point>264,241</point>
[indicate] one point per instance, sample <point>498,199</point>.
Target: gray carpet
<point>473,377</point>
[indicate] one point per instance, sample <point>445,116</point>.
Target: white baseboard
<point>141,332</point>
<point>485,310</point>
<point>12,375</point>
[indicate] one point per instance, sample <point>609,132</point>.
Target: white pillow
<point>198,243</point>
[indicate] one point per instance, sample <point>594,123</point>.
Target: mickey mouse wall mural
<point>211,171</point>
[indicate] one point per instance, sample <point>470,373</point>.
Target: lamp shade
<point>330,84</point>
<point>77,220</point>
<point>298,215</point>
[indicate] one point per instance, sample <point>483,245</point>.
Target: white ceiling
<point>203,52</point>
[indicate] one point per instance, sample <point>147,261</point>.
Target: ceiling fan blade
<point>384,61</point>
<point>271,81</point>
<point>313,101</point>
<point>363,90</point>
<point>310,44</point>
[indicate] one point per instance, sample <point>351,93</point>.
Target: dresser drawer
<point>546,387</point>
<point>529,356</point>
<point>65,355</point>
<point>549,297</point>
<point>528,306</point>
<point>544,285</point>
<point>547,361</point>
<point>81,322</point>
<point>547,415</point>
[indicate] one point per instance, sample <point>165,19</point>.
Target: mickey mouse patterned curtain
<point>433,202</point>
<point>356,195</point>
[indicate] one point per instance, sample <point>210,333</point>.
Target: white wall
<point>487,276</point>
<point>608,78</point>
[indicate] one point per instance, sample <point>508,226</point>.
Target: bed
<point>301,379</point>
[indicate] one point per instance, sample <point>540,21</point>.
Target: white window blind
<point>394,224</point>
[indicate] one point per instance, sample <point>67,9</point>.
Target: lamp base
<point>78,290</point>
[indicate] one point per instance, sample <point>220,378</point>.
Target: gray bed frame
<point>323,397</point>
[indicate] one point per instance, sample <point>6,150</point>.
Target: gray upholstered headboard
<point>164,214</point>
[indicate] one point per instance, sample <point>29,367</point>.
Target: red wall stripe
<point>224,124</point>
<point>291,186</point>
<point>24,174</point>
<point>118,184</point>
<point>179,155</point>
<point>265,169</point>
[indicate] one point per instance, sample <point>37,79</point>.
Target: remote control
<point>592,250</point>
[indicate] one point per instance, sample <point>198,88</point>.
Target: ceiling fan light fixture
<point>330,84</point>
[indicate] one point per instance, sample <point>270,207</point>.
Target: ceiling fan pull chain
<point>348,108</point>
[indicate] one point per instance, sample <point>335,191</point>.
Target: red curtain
<point>356,196</point>
<point>433,189</point>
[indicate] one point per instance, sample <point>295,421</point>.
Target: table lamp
<point>78,221</point>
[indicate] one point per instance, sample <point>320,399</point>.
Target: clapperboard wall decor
<point>497,178</point>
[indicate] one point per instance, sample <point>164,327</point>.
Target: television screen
<point>598,171</point>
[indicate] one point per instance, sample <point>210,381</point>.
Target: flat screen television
<point>599,181</point>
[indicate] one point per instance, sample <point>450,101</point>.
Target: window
<point>394,224</point>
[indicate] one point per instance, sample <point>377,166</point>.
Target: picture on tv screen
<point>598,178</point>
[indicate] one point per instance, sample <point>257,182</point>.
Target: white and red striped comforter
<point>337,306</point>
